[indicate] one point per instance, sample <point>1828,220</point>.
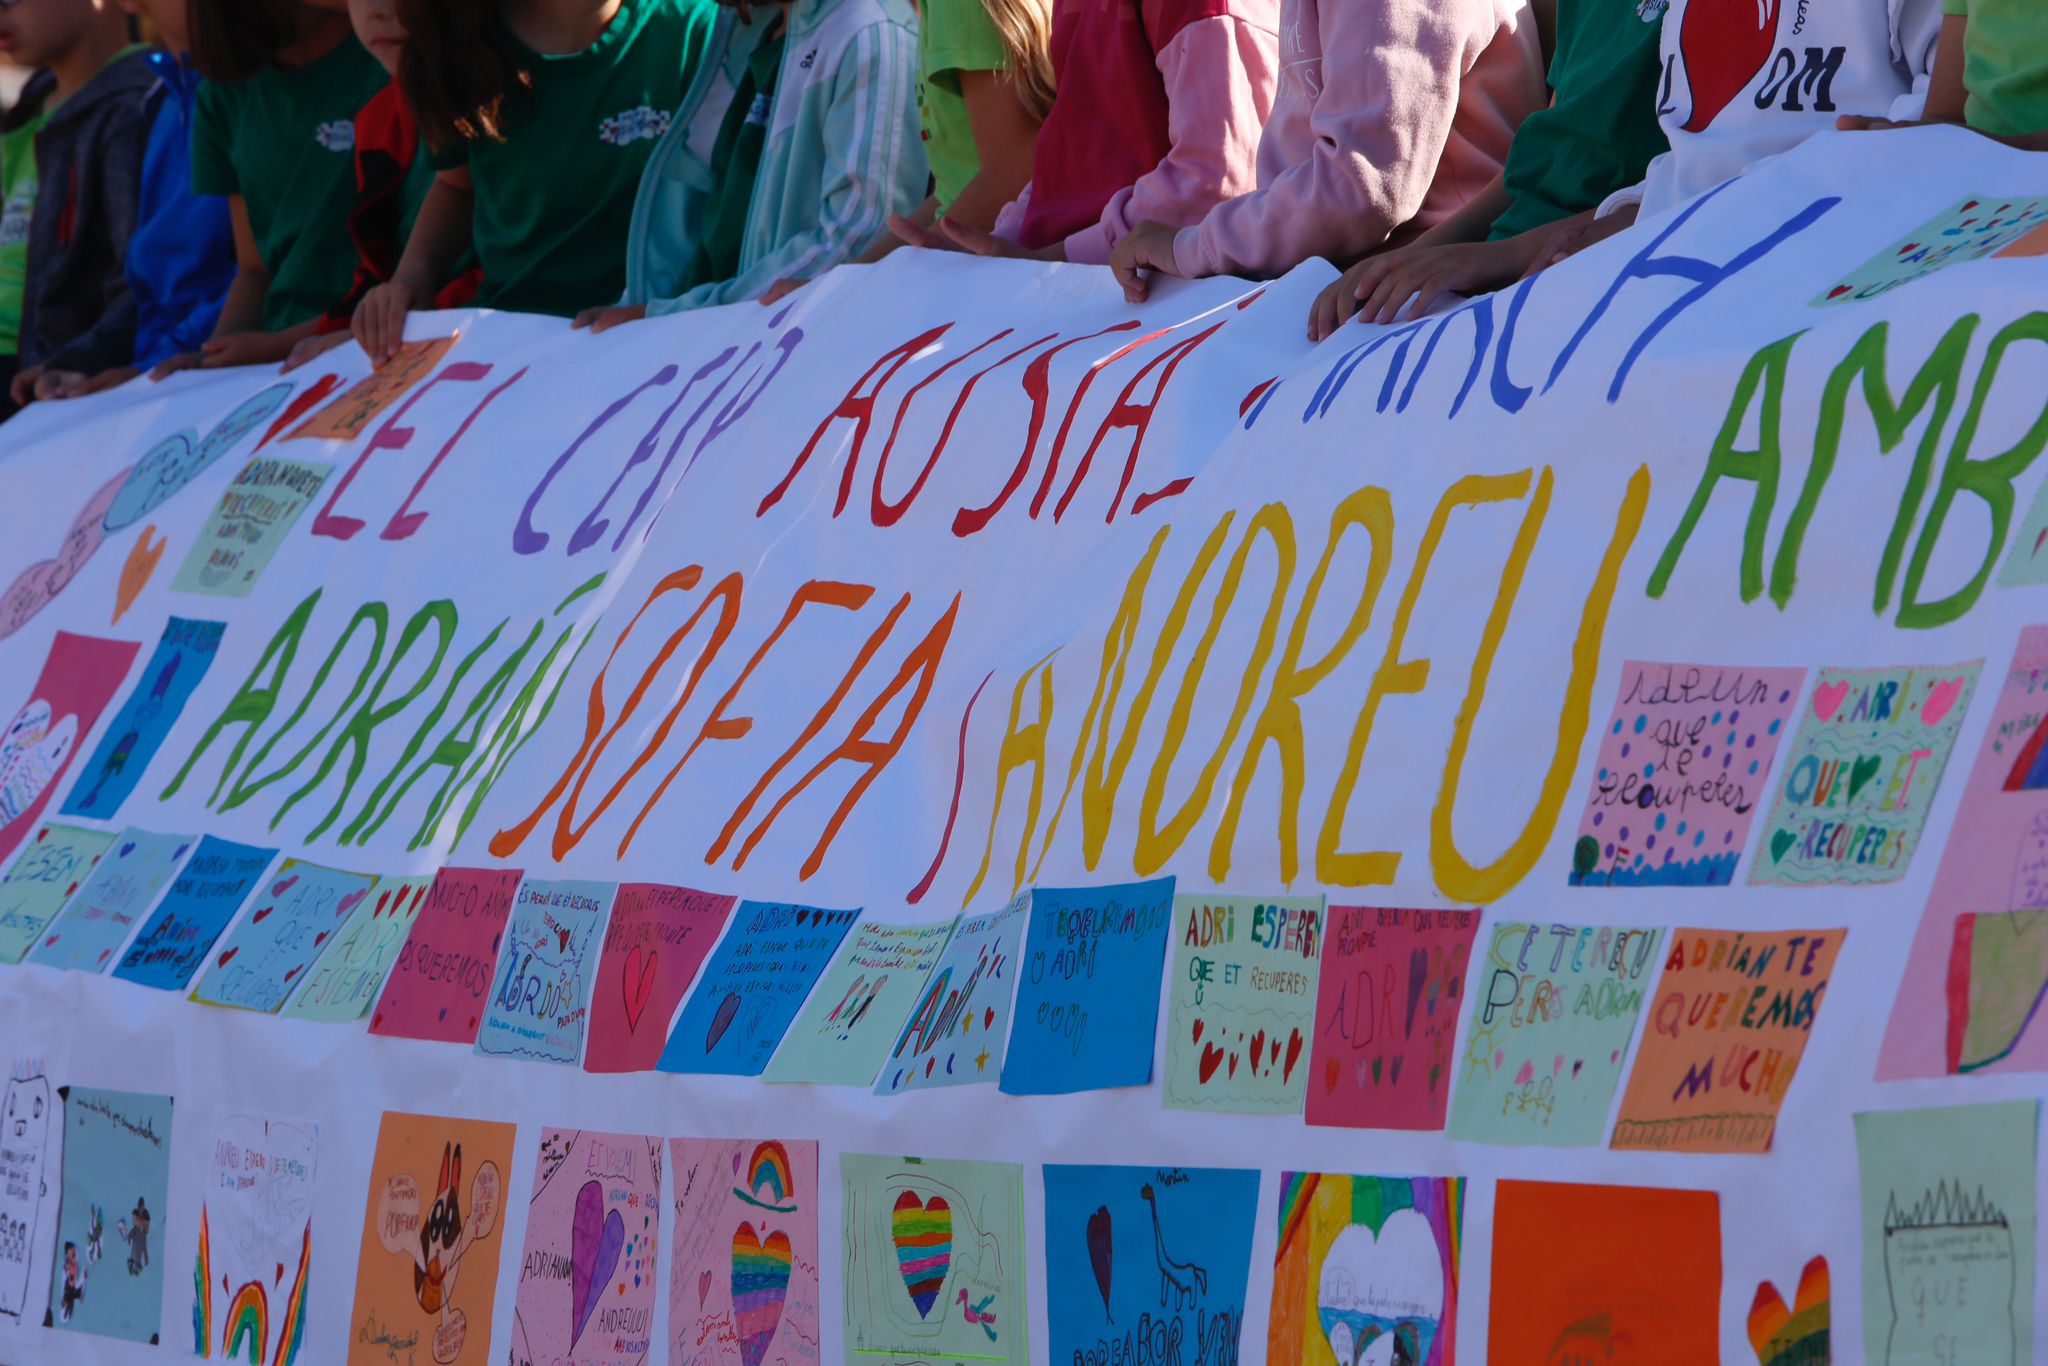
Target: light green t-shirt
<point>285,141</point>
<point>952,36</point>
<point>554,200</point>
<point>2005,65</point>
<point>17,202</point>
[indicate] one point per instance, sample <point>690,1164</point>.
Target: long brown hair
<point>1025,26</point>
<point>459,71</point>
<point>233,40</point>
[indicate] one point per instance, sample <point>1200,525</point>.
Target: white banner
<point>948,579</point>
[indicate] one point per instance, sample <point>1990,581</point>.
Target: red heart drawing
<point>1722,44</point>
<point>349,902</point>
<point>1294,1055</point>
<point>1198,1029</point>
<point>321,938</point>
<point>293,973</point>
<point>283,885</point>
<point>1331,1072</point>
<point>637,984</point>
<point>222,961</point>
<point>1212,1057</point>
<point>1258,1051</point>
<point>261,912</point>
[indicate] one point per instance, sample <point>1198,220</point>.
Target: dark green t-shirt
<point>554,200</point>
<point>285,141</point>
<point>735,165</point>
<point>1601,130</point>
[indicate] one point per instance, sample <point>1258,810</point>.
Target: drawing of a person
<point>74,1281</point>
<point>135,1229</point>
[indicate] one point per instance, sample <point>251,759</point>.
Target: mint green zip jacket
<point>842,154</point>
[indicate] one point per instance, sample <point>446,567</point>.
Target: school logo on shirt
<point>14,216</point>
<point>633,125</point>
<point>339,135</point>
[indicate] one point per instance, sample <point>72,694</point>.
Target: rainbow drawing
<point>291,1333</point>
<point>760,1284</point>
<point>923,1234</point>
<point>248,1317</point>
<point>202,1293</point>
<point>770,1183</point>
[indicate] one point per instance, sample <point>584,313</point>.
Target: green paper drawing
<point>1853,793</point>
<point>844,1031</point>
<point>1948,1233</point>
<point>251,521</point>
<point>934,1262</point>
<point>1241,1008</point>
<point>1553,1007</point>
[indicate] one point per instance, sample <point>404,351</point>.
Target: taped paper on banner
<point>593,1232</point>
<point>743,1272</point>
<point>202,899</point>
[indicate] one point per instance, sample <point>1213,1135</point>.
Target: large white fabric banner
<point>1590,732</point>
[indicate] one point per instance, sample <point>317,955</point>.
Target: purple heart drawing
<point>595,1240</point>
<point>722,1020</point>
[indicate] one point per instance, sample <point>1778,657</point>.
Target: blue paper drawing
<point>1137,1256</point>
<point>1088,1000</point>
<point>182,656</point>
<point>747,995</point>
<point>203,898</point>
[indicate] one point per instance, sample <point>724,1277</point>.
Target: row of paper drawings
<point>1275,1005</point>
<point>1141,1263</point>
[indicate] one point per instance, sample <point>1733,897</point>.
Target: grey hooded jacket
<point>77,313</point>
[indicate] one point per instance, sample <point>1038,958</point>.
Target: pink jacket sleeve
<point>1391,76</point>
<point>1220,74</point>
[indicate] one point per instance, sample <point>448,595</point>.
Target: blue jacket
<point>181,259</point>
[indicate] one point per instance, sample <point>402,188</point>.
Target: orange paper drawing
<point>1643,1288</point>
<point>1722,1037</point>
<point>427,1275</point>
<point>346,417</point>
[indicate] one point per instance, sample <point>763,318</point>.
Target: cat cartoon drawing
<point>436,1239</point>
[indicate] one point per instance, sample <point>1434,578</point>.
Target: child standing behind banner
<point>181,256</point>
<point>392,180</point>
<point>275,133</point>
<point>1391,115</point>
<point>816,148</point>
<point>1597,135</point>
<point>76,311</point>
<point>984,86</point>
<point>1158,116</point>
<point>1990,73</point>
<point>541,116</point>
<point>1742,83</point>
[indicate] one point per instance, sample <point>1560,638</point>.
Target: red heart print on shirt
<point>1722,44</point>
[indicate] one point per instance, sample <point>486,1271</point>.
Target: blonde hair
<point>1025,27</point>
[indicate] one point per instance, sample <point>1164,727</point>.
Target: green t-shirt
<point>1600,131</point>
<point>285,141</point>
<point>2005,65</point>
<point>17,203</point>
<point>952,36</point>
<point>736,165</point>
<point>554,201</point>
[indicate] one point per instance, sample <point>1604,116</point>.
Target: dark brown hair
<point>459,71</point>
<point>233,40</point>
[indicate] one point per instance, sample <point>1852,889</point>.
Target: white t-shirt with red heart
<point>1748,79</point>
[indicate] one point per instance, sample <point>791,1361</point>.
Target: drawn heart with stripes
<point>760,1283</point>
<point>923,1234</point>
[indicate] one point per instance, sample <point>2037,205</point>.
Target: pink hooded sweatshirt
<point>1409,118</point>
